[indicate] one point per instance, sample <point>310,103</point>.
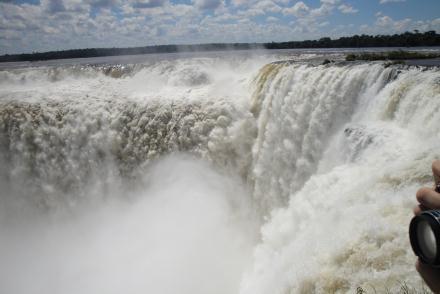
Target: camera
<point>424,235</point>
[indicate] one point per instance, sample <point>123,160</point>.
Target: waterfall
<point>304,174</point>
<point>346,148</point>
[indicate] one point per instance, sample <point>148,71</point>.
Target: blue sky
<point>42,25</point>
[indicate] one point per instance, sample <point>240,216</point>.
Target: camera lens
<point>424,232</point>
<point>426,239</point>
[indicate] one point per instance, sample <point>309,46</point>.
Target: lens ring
<point>425,237</point>
<point>427,240</point>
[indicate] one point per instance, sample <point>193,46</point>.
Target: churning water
<point>212,175</point>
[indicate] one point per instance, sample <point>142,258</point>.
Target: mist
<point>99,195</point>
<point>189,229</point>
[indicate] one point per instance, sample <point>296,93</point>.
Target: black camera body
<point>424,234</point>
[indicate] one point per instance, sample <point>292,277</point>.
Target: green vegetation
<point>100,52</point>
<point>407,39</point>
<point>392,55</point>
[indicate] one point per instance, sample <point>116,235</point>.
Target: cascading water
<point>113,181</point>
<point>298,110</point>
<point>360,141</point>
<point>157,177</point>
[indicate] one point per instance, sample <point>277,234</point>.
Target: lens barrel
<point>424,234</point>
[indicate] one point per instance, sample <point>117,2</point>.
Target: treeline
<point>392,55</point>
<point>99,52</point>
<point>407,39</point>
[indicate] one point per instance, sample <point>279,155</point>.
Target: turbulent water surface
<point>215,174</point>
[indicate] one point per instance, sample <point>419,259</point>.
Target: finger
<point>418,209</point>
<point>436,171</point>
<point>430,275</point>
<point>428,198</point>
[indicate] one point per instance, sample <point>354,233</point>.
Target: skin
<point>429,199</point>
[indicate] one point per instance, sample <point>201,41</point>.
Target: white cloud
<point>300,9</point>
<point>252,8</point>
<point>325,9</point>
<point>385,24</point>
<point>66,24</point>
<point>10,35</point>
<point>389,1</point>
<point>102,3</point>
<point>331,2</point>
<point>53,6</point>
<point>208,4</point>
<point>261,8</point>
<point>272,19</point>
<point>268,6</point>
<point>239,2</point>
<point>310,21</point>
<point>148,3</point>
<point>346,9</point>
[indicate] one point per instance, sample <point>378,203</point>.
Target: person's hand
<point>429,199</point>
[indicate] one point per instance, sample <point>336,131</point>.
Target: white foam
<point>331,156</point>
<point>347,226</point>
<point>188,230</point>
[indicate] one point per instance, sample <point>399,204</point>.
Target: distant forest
<point>407,39</point>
